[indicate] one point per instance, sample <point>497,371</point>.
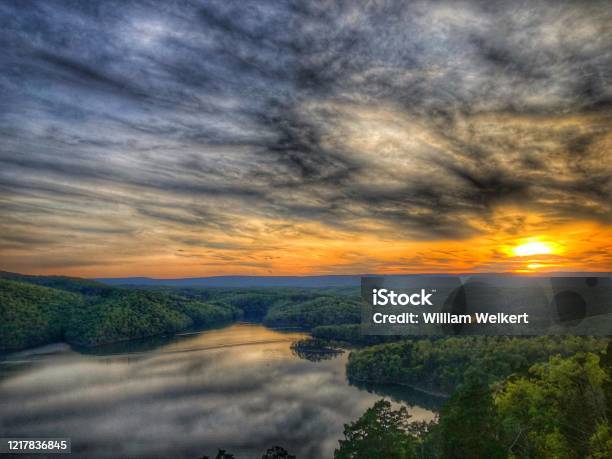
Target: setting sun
<point>532,248</point>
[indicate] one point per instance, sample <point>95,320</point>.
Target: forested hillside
<point>291,307</point>
<point>326,310</point>
<point>558,408</point>
<point>68,284</point>
<point>36,310</point>
<point>442,364</point>
<point>31,315</point>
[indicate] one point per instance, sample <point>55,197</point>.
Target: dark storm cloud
<point>268,110</point>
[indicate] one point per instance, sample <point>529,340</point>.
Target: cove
<point>240,388</point>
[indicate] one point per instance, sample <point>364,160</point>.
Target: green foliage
<point>68,284</point>
<point>380,433</point>
<point>556,409</point>
<point>41,309</point>
<point>86,313</point>
<point>125,315</point>
<point>606,364</point>
<point>468,423</point>
<point>314,350</point>
<point>31,315</point>
<point>255,305</point>
<point>204,313</point>
<point>286,307</point>
<point>441,364</point>
<point>559,410</point>
<point>325,310</point>
<point>600,444</point>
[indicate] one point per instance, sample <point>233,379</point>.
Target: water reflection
<point>418,400</point>
<point>239,388</point>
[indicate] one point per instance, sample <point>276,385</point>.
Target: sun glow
<point>532,248</point>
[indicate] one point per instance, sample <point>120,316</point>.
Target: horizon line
<point>449,273</point>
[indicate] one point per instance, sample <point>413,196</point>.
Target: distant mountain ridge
<point>321,281</point>
<point>241,281</point>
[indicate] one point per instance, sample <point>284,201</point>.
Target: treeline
<point>253,302</point>
<point>309,314</point>
<point>276,452</point>
<point>31,315</point>
<point>36,310</point>
<point>132,314</point>
<point>441,364</point>
<point>281,307</point>
<point>559,408</point>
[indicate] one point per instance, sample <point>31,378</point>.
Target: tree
<point>380,432</point>
<point>560,411</point>
<point>277,452</point>
<point>468,423</point>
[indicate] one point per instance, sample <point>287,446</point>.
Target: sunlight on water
<point>240,388</point>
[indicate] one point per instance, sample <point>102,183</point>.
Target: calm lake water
<point>240,388</point>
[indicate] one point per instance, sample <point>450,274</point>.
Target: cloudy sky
<point>194,138</point>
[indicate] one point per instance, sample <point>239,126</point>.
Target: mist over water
<point>239,388</point>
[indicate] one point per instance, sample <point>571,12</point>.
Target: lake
<point>240,388</point>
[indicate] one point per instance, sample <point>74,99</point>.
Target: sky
<point>188,138</point>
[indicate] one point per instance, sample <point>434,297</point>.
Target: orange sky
<point>104,229</point>
<point>309,249</point>
<point>214,140</point>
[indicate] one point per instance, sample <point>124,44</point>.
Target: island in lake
<point>159,371</point>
